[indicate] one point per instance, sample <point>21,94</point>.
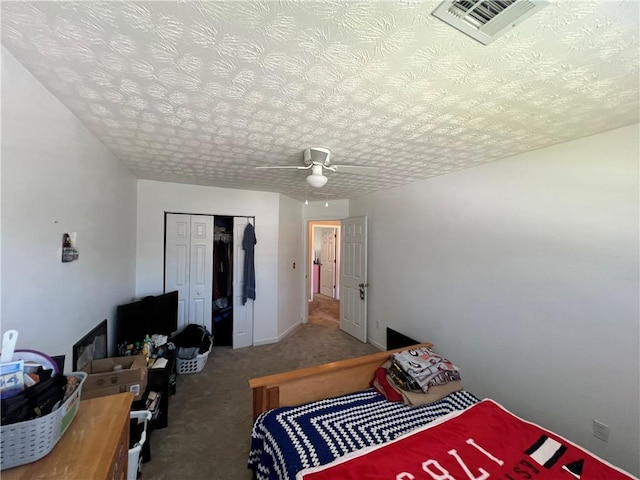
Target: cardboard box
<point>104,380</point>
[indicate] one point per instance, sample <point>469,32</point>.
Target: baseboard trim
<point>377,345</point>
<point>290,330</point>
<point>268,341</point>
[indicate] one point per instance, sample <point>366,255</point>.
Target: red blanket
<point>484,442</point>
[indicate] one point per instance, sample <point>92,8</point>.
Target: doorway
<point>350,273</point>
<point>324,279</point>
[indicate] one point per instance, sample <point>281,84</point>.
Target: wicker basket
<point>26,442</point>
<point>192,365</point>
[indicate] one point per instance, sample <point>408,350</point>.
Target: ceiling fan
<point>318,159</point>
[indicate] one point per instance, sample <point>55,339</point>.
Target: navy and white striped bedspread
<point>286,440</point>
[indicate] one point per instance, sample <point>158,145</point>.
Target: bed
<point>325,422</point>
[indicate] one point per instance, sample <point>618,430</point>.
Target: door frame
<point>336,266</point>
<point>309,228</point>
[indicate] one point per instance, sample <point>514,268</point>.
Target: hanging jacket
<point>248,243</point>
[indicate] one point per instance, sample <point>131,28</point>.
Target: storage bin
<point>133,466</point>
<point>26,442</point>
<point>192,365</point>
<point>38,357</point>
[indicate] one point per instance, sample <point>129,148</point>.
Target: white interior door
<point>328,263</point>
<point>176,261</point>
<point>201,271</point>
<point>353,299</point>
<point>242,314</point>
<point>189,266</point>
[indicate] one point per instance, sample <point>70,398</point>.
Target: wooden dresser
<point>95,446</point>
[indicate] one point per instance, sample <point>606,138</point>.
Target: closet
<point>204,263</point>
<point>223,281</point>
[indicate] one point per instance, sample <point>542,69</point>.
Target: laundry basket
<point>26,442</point>
<point>133,466</point>
<point>192,365</point>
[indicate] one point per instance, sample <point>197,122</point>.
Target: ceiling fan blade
<point>358,169</point>
<point>288,166</point>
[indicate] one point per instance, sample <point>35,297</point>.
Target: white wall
<point>317,241</point>
<point>57,177</point>
<point>318,232</point>
<point>156,198</point>
<point>525,273</point>
<point>290,279</point>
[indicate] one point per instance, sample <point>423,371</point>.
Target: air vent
<point>486,20</point>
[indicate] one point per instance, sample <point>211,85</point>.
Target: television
<point>396,339</point>
<point>93,346</point>
<point>150,315</point>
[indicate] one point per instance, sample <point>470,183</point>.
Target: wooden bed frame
<point>316,383</point>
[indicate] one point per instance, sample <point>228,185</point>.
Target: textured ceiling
<point>203,92</point>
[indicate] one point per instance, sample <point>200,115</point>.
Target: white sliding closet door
<point>189,266</point>
<point>242,314</point>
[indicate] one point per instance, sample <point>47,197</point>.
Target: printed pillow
<point>384,385</point>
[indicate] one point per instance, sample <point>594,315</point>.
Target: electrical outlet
<point>601,431</point>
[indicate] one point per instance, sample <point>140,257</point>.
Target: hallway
<point>324,311</point>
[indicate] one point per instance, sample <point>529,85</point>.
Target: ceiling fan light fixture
<point>317,181</point>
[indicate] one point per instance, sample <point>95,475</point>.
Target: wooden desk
<point>95,446</point>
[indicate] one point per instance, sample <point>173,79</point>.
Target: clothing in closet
<point>248,243</point>
<point>221,270</point>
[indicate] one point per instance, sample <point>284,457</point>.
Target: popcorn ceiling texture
<point>203,92</point>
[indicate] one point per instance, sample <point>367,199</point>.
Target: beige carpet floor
<point>210,416</point>
<point>324,311</point>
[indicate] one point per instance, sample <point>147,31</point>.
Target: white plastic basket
<point>192,365</point>
<point>134,452</point>
<point>26,442</point>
